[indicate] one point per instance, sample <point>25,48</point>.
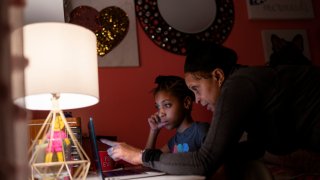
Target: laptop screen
<point>94,148</point>
<point>122,173</point>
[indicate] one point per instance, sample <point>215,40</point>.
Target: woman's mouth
<point>209,107</point>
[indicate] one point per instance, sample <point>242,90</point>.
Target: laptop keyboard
<point>124,172</point>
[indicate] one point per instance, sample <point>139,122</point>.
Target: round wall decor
<point>169,23</point>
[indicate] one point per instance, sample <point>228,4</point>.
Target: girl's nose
<point>161,112</point>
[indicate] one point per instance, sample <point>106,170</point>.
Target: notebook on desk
<point>126,173</point>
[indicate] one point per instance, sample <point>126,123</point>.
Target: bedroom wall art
<point>286,34</point>
<point>169,23</point>
<point>280,9</point>
<point>114,24</point>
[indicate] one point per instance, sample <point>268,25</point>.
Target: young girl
<point>173,101</point>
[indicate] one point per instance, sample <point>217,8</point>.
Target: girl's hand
<point>155,122</point>
<point>123,151</point>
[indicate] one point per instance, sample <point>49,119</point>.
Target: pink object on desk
<point>58,136</point>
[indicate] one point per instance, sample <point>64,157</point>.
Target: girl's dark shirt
<point>278,107</point>
<point>190,139</point>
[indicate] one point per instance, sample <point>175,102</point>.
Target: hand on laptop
<point>122,151</point>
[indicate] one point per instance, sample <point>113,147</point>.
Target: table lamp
<point>62,73</point>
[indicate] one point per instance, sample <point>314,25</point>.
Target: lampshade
<point>63,61</point>
<point>43,11</point>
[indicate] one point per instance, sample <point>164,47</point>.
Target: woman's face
<point>206,90</point>
<point>170,109</point>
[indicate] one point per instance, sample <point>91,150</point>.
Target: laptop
<point>133,172</point>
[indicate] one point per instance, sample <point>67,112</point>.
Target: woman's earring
<point>188,106</point>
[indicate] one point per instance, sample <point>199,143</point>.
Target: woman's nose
<point>197,99</point>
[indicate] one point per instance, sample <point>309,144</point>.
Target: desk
<point>162,177</point>
<point>175,177</point>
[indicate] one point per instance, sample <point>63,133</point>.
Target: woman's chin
<point>210,108</point>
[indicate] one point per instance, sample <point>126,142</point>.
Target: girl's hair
<point>203,57</point>
<point>173,84</point>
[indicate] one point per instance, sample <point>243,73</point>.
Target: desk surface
<point>162,177</point>
<point>175,177</point>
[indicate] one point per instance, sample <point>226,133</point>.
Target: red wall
<point>125,101</point>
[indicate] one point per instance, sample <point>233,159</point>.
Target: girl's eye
<point>156,106</point>
<point>167,105</point>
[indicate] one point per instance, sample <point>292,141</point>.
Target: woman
<point>278,107</point>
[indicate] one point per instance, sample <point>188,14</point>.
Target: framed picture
<point>114,24</point>
<point>280,9</point>
<point>287,36</point>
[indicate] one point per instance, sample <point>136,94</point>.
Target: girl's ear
<point>187,102</point>
<point>218,75</point>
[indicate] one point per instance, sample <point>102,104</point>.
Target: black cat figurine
<point>288,52</point>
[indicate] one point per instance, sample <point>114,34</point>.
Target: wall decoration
<point>280,9</point>
<point>114,24</point>
<point>288,36</point>
<point>169,23</point>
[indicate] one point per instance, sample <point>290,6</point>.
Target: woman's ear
<point>187,102</point>
<point>218,75</point>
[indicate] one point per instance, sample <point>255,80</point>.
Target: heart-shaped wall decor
<point>110,25</point>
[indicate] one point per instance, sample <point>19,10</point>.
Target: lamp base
<point>50,152</point>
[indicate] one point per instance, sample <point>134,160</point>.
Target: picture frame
<point>279,9</point>
<point>286,34</point>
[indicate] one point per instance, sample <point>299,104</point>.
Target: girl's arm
<point>155,127</point>
<point>152,139</point>
<point>165,149</point>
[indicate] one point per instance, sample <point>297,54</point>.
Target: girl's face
<point>206,90</point>
<point>170,109</point>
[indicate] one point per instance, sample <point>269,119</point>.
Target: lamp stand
<point>50,155</point>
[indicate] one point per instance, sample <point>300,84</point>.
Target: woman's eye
<point>167,105</point>
<point>195,90</point>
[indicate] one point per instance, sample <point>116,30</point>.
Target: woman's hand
<point>155,122</point>
<point>122,151</point>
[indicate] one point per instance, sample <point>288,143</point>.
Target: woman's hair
<point>173,84</point>
<point>203,57</point>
